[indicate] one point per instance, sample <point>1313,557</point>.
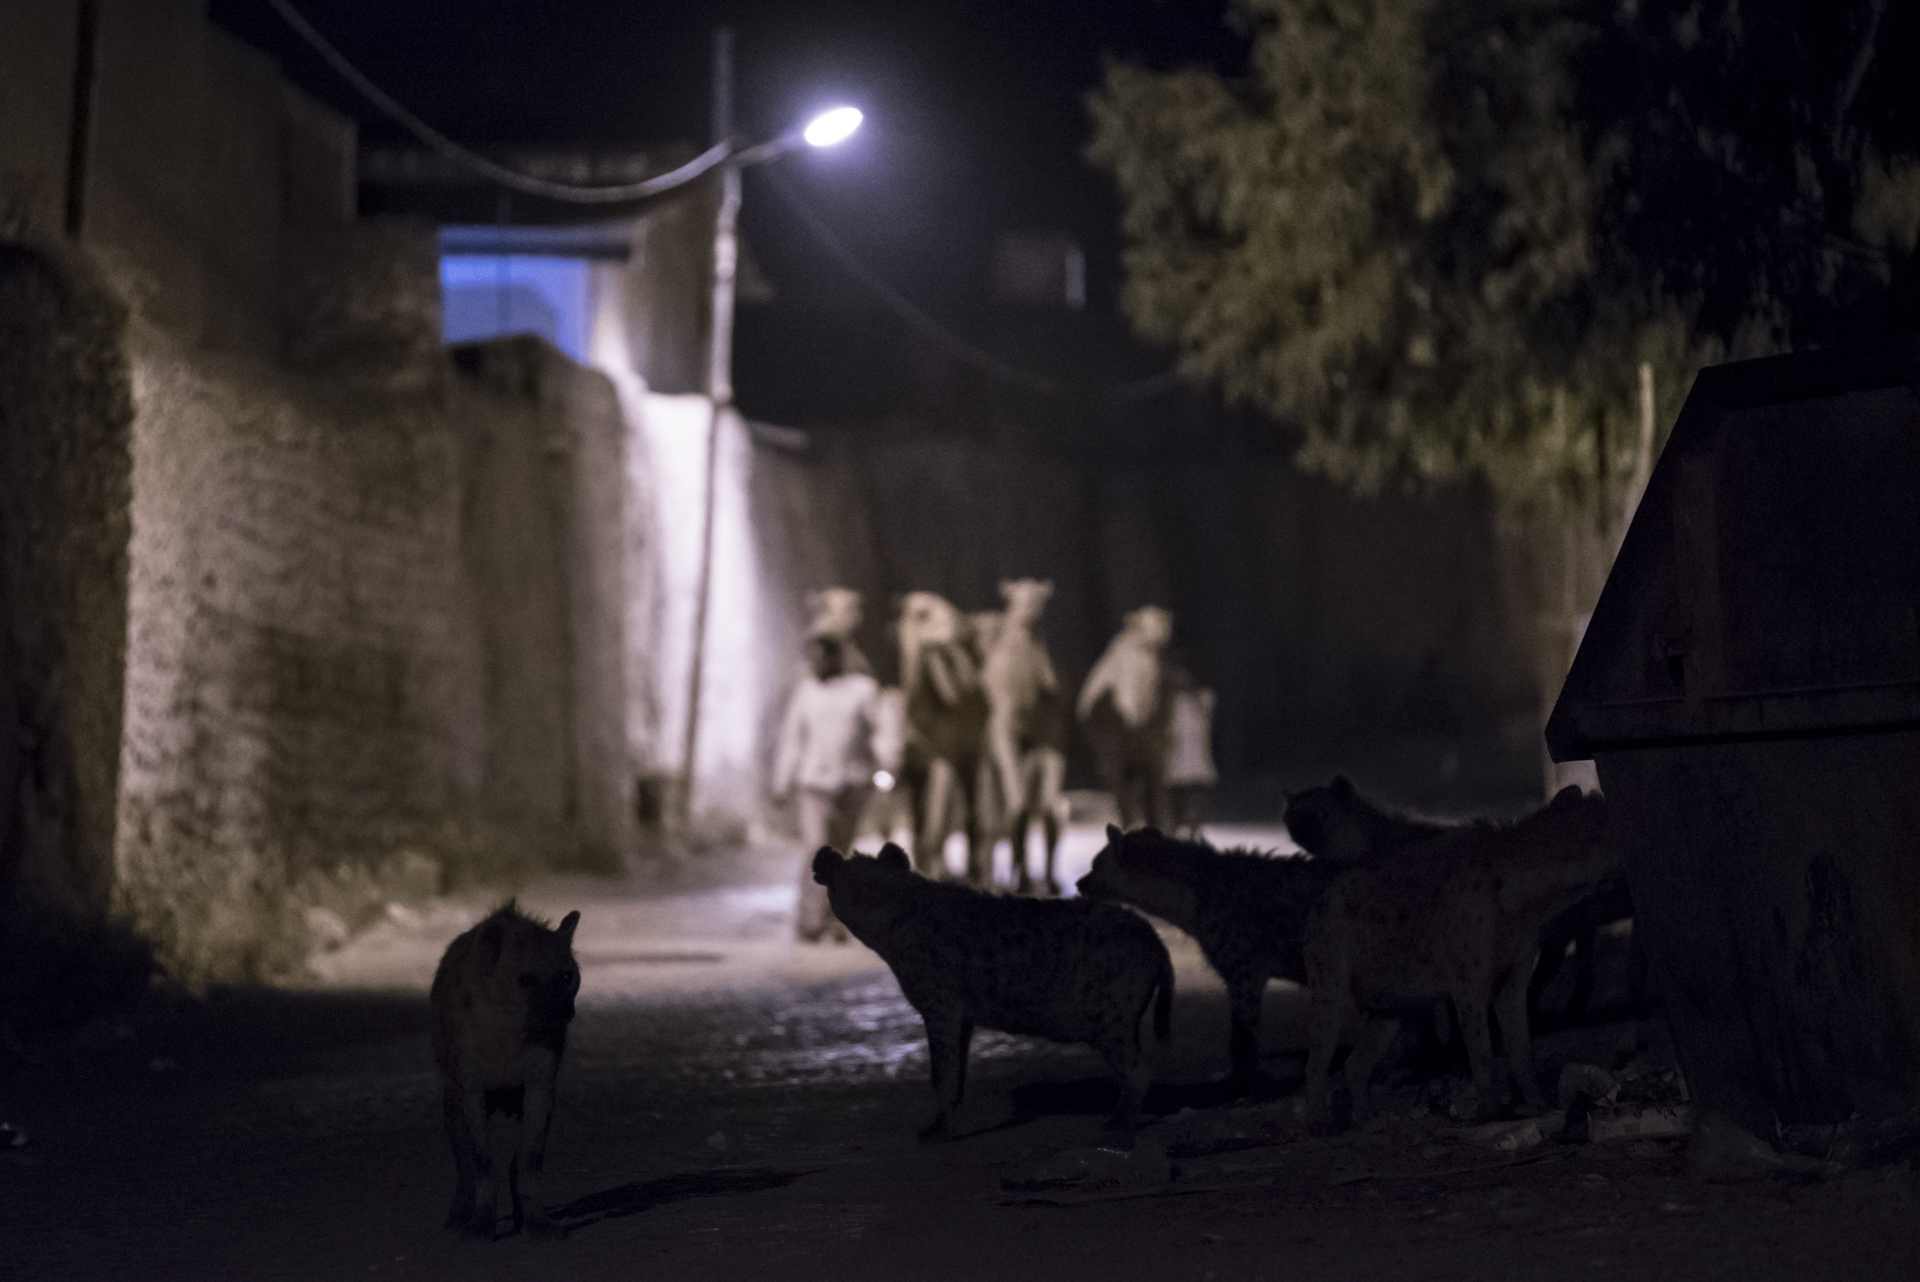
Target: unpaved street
<point>734,1105</point>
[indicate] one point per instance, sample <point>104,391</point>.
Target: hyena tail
<point>1163,1004</point>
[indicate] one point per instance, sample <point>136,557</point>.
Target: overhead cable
<point>923,324</point>
<point>478,164</point>
<point>939,335</point>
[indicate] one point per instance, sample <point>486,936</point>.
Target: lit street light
<point>834,126</point>
<point>828,128</point>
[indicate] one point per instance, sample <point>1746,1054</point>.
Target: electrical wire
<point>922,323</point>
<point>524,183</point>
<point>939,335</point>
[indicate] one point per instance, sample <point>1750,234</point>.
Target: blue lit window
<point>495,295</point>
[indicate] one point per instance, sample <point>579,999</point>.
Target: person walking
<point>831,743</point>
<point>1190,771</point>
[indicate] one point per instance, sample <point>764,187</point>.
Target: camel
<point>1026,734</point>
<point>1125,707</point>
<point>946,718</point>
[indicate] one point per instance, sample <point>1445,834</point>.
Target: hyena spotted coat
<point>1069,970</point>
<point>1247,911</point>
<point>501,1002</point>
<point>1336,822</point>
<point>1459,919</point>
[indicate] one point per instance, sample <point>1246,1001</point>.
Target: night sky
<point>976,116</point>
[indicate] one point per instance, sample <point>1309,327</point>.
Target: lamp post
<point>824,130</point>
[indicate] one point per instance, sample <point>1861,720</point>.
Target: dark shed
<point>1749,688</point>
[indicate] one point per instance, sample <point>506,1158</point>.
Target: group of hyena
<point>1385,917</point>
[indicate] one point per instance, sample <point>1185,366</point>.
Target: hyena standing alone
<point>501,1002</point>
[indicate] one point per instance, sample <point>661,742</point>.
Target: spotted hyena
<point>501,1002</point>
<point>1247,911</point>
<point>1069,970</point>
<point>1457,918</point>
<point>1336,822</point>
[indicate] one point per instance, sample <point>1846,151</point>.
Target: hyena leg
<point>947,1052</point>
<point>960,1063</point>
<point>1376,1035</point>
<point>1324,1018</point>
<point>1474,1030</point>
<point>466,1146</point>
<point>1243,1043</point>
<point>535,1122</point>
<point>1510,1009</point>
<point>1120,1047</point>
<point>483,1209</point>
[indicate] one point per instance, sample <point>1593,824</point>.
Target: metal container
<point>1749,689</point>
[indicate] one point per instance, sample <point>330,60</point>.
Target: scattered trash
<point>1639,1122</point>
<point>1722,1150</point>
<point>1594,1082</point>
<point>1515,1137</point>
<point>1145,1165</point>
<point>12,1136</point>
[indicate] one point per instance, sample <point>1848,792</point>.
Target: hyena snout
<point>550,999</point>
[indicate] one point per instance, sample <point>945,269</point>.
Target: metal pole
<point>719,390</point>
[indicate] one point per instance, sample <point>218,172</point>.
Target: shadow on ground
<point>644,1195</point>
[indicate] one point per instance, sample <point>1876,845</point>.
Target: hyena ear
<point>891,856</point>
<point>493,934</point>
<point>567,924</point>
<point>1114,833</point>
<point>825,861</point>
<point>1341,788</point>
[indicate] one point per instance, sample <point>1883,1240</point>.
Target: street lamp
<point>827,129</point>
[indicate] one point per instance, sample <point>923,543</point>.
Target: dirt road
<point>734,1105</point>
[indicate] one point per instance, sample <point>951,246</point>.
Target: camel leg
<point>1052,777</point>
<point>980,832</point>
<point>929,847</point>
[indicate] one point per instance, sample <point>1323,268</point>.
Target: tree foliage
<point>1442,235</point>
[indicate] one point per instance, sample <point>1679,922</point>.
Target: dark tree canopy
<point>1442,237</point>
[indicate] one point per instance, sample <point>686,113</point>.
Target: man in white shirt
<point>828,751</point>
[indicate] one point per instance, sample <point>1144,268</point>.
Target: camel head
<point>1150,626</point>
<point>927,618</point>
<point>1026,599</point>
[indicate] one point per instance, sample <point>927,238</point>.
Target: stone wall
<point>358,600</point>
<point>65,420</point>
<point>373,647</point>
